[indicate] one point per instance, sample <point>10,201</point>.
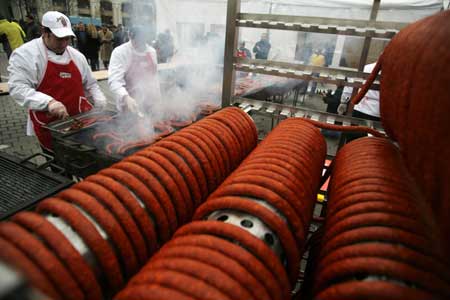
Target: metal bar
<point>341,72</point>
<point>275,109</point>
<point>366,48</point>
<point>234,7</point>
<point>321,20</point>
<point>327,29</point>
<point>308,77</point>
<point>368,39</point>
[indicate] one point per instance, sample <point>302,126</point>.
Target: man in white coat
<point>133,75</point>
<point>368,108</point>
<point>51,79</point>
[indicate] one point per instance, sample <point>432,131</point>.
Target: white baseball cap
<point>58,23</point>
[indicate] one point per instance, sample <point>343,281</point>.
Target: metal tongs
<point>75,124</point>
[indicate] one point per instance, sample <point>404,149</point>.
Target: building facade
<point>108,11</point>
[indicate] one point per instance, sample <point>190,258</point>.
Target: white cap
<point>58,23</point>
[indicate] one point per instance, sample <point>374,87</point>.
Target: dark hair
<point>47,30</point>
<point>136,31</point>
<point>30,17</point>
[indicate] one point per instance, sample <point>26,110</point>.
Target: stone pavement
<point>13,139</point>
<point>13,119</point>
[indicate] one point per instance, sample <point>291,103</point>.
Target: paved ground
<point>13,139</point>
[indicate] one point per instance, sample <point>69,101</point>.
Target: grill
<point>86,143</point>
<point>22,185</point>
<point>71,143</point>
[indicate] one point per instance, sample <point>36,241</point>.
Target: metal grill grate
<point>21,185</point>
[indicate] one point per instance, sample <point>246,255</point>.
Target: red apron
<point>62,82</point>
<point>139,78</point>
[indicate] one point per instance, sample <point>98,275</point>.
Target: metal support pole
<point>368,39</point>
<point>366,47</point>
<point>233,8</point>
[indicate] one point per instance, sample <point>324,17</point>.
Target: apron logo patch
<point>65,75</point>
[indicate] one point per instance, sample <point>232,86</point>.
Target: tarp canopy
<point>385,4</point>
<point>390,10</point>
<point>189,19</point>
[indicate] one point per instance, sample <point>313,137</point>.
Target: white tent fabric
<point>165,12</point>
<point>386,4</point>
<point>390,10</point>
<point>189,19</point>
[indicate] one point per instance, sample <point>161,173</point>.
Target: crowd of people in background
<point>95,42</point>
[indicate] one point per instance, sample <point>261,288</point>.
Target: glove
<point>342,108</point>
<point>57,109</point>
<point>130,104</point>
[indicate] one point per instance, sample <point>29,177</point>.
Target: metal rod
<point>368,39</point>
<point>321,20</point>
<point>366,47</point>
<point>327,29</point>
<point>307,77</point>
<point>340,72</point>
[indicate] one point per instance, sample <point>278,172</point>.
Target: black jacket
<point>33,31</point>
<point>333,100</point>
<point>262,49</point>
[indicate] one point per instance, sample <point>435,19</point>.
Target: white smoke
<point>194,74</point>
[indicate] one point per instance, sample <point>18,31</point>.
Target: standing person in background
<point>165,46</point>
<point>133,75</point>
<point>106,41</point>
<point>81,35</point>
<point>262,47</point>
<point>92,47</point>
<point>243,52</point>
<point>368,108</point>
<point>13,35</point>
<point>333,99</point>
<point>317,60</point>
<point>5,44</point>
<point>51,79</point>
<point>22,33</point>
<point>32,29</point>
<point>119,36</point>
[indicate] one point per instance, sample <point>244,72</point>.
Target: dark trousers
<point>95,64</point>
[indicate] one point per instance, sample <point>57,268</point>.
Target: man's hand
<point>130,104</point>
<point>342,108</point>
<point>57,109</point>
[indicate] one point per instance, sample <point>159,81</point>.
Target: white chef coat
<point>119,69</point>
<point>370,104</point>
<point>27,66</point>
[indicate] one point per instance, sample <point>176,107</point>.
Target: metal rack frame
<point>365,28</point>
<point>280,111</point>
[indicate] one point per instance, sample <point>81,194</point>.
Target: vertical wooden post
<point>233,9</point>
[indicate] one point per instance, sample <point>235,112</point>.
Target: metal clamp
<point>49,162</point>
